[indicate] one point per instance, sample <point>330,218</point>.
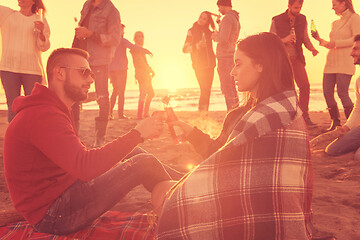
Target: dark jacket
<point>282,23</point>
<point>202,57</point>
<point>105,23</point>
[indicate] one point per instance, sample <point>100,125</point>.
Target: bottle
<point>292,32</point>
<point>175,131</point>
<point>76,22</point>
<point>313,28</point>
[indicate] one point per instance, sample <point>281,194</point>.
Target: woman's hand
<point>187,128</point>
<point>316,36</point>
<point>328,45</point>
<point>39,26</point>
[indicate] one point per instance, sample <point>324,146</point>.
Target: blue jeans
<point>350,142</point>
<point>118,80</point>
<point>342,82</point>
<point>102,92</point>
<point>225,65</point>
<point>83,202</point>
<point>12,82</point>
<point>205,79</point>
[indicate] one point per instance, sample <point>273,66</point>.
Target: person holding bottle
<point>256,179</point>
<point>98,33</point>
<point>226,38</point>
<point>199,44</point>
<point>25,34</point>
<point>291,27</point>
<point>339,67</point>
<point>143,75</point>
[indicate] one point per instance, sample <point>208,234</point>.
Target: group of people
<point>199,44</point>
<point>256,179</point>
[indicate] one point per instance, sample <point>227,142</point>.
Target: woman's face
<point>203,19</point>
<point>26,3</point>
<point>338,6</point>
<point>246,73</point>
<point>139,39</point>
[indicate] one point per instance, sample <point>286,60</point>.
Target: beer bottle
<point>175,131</point>
<point>313,28</point>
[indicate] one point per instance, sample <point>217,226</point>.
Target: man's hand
<point>291,38</point>
<point>82,32</point>
<point>215,36</point>
<point>150,128</point>
<point>314,52</point>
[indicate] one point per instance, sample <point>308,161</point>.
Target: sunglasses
<point>85,72</point>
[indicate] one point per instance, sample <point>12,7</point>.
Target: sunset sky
<point>165,24</point>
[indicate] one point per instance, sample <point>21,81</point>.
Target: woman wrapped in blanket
<point>256,180</point>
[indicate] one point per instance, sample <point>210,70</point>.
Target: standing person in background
<point>143,75</point>
<point>118,73</point>
<point>339,66</point>
<point>291,27</point>
<point>99,34</point>
<point>25,34</point>
<point>349,140</point>
<point>199,44</point>
<point>226,39</point>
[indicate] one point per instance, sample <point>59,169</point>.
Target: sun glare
<point>173,75</point>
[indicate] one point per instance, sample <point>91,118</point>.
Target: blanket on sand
<point>111,225</point>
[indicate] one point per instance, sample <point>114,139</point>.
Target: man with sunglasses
<point>55,182</point>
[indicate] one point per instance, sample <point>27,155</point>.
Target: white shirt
<point>21,45</point>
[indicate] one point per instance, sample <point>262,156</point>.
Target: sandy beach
<point>336,199</point>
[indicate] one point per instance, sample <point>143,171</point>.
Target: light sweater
<point>354,119</point>
<point>342,33</point>
<point>21,45</point>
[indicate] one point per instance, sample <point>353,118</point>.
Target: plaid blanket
<point>111,225</point>
<point>258,186</point>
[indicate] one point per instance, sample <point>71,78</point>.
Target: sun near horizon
<point>165,25</point>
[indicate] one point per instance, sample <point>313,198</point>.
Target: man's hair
<point>291,2</point>
<point>268,50</point>
<point>59,57</point>
<point>357,38</point>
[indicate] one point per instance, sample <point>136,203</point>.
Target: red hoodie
<point>43,155</point>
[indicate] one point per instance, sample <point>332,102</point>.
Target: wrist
<point>138,134</point>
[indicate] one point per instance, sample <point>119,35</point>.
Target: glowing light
<point>190,166</point>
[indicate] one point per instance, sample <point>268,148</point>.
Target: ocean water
<point>187,99</point>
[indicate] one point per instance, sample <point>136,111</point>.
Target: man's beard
<point>357,61</point>
<point>294,14</point>
<point>73,92</point>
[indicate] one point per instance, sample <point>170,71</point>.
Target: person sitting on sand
<point>257,180</point>
<point>350,131</point>
<point>56,182</point>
